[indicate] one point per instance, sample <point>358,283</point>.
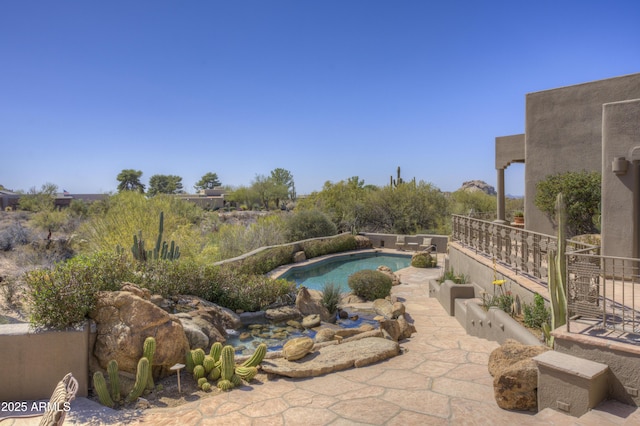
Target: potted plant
<point>518,217</point>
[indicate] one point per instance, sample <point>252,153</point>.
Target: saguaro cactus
<point>558,274</point>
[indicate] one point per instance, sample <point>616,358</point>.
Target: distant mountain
<point>478,186</point>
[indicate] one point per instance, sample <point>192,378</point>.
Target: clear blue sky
<point>326,89</point>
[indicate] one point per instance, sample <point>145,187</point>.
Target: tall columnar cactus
<point>216,350</point>
<point>257,356</point>
<point>227,365</point>
<point>142,376</point>
<point>558,274</point>
<point>100,386</point>
<point>148,350</point>
<point>189,361</point>
<point>114,379</point>
<point>162,250</point>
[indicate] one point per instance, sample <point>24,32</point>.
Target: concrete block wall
<point>32,363</point>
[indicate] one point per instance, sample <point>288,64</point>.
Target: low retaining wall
<point>389,240</point>
<point>463,302</point>
<point>32,363</point>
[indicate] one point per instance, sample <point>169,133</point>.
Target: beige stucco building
<point>593,126</point>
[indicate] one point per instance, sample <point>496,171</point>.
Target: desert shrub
<point>331,296</point>
<point>266,260</point>
<point>337,244</point>
<point>50,220</point>
<point>536,314</point>
<point>424,260</point>
<point>62,296</point>
<point>370,284</point>
<point>251,292</point>
<point>129,212</point>
<point>307,224</point>
<point>13,235</point>
<point>235,239</point>
<point>450,275</point>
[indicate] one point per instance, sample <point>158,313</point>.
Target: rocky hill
<point>478,185</point>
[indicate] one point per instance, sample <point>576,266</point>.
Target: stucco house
<point>593,126</point>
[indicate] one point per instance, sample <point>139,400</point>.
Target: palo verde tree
<point>208,181</point>
<point>165,184</point>
<point>130,181</point>
<point>283,185</point>
<point>582,196</point>
<point>39,200</point>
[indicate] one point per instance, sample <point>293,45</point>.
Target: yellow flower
<point>498,282</point>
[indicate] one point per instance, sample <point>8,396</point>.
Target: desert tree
<point>130,181</point>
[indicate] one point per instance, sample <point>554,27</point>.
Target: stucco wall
<point>621,131</point>
<point>564,133</point>
<point>32,363</point>
<point>509,149</point>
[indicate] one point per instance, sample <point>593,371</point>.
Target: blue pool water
<point>337,270</point>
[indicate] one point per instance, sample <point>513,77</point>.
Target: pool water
<point>338,270</point>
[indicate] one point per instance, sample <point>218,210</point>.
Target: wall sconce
<point>619,165</point>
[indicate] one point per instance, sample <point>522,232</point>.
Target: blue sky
<point>326,89</point>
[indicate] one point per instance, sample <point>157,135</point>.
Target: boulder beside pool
<point>328,359</point>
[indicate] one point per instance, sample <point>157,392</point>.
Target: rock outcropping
<point>478,186</point>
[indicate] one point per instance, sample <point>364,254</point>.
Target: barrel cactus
<point>114,379</point>
<point>214,374</point>
<point>198,372</point>
<point>142,376</point>
<point>148,350</point>
<point>202,380</point>
<point>100,386</point>
<point>206,386</point>
<point>198,356</point>
<point>209,363</point>
<point>224,385</point>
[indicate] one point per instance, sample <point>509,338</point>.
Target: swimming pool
<point>338,269</point>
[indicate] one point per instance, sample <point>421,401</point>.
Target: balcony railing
<point>602,295</point>
<point>525,252</point>
<point>602,291</point>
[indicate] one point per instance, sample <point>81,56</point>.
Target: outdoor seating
<point>65,392</point>
<point>401,241</point>
<point>427,245</point>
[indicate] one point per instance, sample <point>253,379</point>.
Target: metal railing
<point>602,294</point>
<point>525,252</point>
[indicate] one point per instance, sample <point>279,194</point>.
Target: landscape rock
<point>516,387</point>
<point>124,320</point>
<point>350,298</point>
<point>363,242</point>
<point>387,309</point>
<point>297,348</point>
<point>299,256</point>
<point>325,335</point>
<point>357,353</point>
<point>388,272</point>
<point>283,314</point>
<point>311,321</point>
<point>222,318</point>
<point>309,302</point>
<point>515,375</point>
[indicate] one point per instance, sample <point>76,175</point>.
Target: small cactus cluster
<point>220,365</point>
<point>162,250</point>
<point>109,396</point>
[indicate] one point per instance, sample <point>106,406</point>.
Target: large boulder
<point>387,309</point>
<point>515,375</point>
<point>282,314</point>
<point>309,302</point>
<point>388,272</point>
<point>124,320</point>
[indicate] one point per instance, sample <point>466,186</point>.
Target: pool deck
<point>440,379</point>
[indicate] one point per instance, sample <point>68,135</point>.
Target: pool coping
<point>281,270</point>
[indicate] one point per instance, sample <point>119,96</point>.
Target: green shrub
<point>337,244</point>
<point>251,292</point>
<point>370,284</point>
<point>536,314</point>
<point>331,296</point>
<point>307,224</point>
<point>424,260</point>
<point>266,260</point>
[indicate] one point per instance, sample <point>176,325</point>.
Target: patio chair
<point>65,392</point>
<point>427,245</point>
<point>401,241</point>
